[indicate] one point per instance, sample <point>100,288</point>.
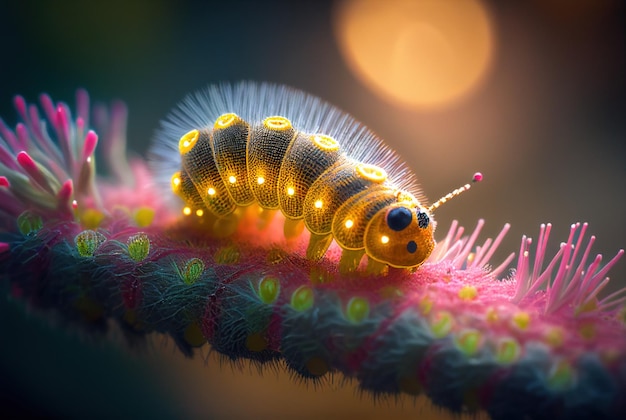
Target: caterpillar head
<point>400,235</point>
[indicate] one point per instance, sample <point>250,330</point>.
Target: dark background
<point>546,126</point>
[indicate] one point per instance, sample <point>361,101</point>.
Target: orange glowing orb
<point>417,52</point>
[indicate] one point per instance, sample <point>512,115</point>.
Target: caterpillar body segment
<point>308,157</point>
<point>267,147</point>
<point>199,165</point>
<point>308,178</point>
<point>229,143</point>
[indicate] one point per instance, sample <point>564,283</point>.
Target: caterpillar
<point>286,150</point>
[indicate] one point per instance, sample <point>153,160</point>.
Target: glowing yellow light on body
<point>211,191</point>
<point>260,180</point>
<point>186,211</point>
<point>349,223</point>
<point>232,179</point>
<point>291,191</point>
<point>176,181</point>
<point>199,212</point>
<point>318,204</point>
<point>384,239</point>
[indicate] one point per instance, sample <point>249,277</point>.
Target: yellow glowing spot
<point>260,180</point>
<point>91,218</point>
<point>416,52</point>
<point>384,239</point>
<point>186,211</point>
<point>277,123</point>
<point>468,292</point>
<point>326,143</point>
<point>491,315</point>
<point>425,305</point>
<point>187,141</point>
<point>521,320</point>
<point>211,191</point>
<point>232,179</point>
<point>144,216</point>
<point>349,223</point>
<point>225,121</point>
<point>199,212</point>
<point>555,336</point>
<point>291,191</point>
<point>371,172</point>
<point>176,181</point>
<point>587,331</point>
<point>318,204</point>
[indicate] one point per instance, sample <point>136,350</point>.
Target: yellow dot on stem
<point>349,223</point>
<point>468,292</point>
<point>521,320</point>
<point>318,204</point>
<point>384,239</point>
<point>302,298</point>
<point>425,305</point>
<point>357,309</point>
<point>441,324</point>
<point>555,336</point>
<point>507,351</point>
<point>187,211</point>
<point>199,212</point>
<point>587,331</point>
<point>144,216</point>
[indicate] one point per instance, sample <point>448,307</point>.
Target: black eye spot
<point>422,219</point>
<point>411,247</point>
<point>399,218</point>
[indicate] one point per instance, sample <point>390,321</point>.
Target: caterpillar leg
<point>318,244</point>
<point>265,217</point>
<point>350,259</point>
<point>376,268</point>
<point>227,225</point>
<point>293,228</point>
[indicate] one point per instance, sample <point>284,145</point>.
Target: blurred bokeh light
<point>418,52</point>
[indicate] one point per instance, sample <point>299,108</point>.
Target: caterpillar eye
<point>422,219</point>
<point>411,247</point>
<point>399,218</point>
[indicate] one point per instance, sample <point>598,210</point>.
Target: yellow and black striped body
<point>308,178</point>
